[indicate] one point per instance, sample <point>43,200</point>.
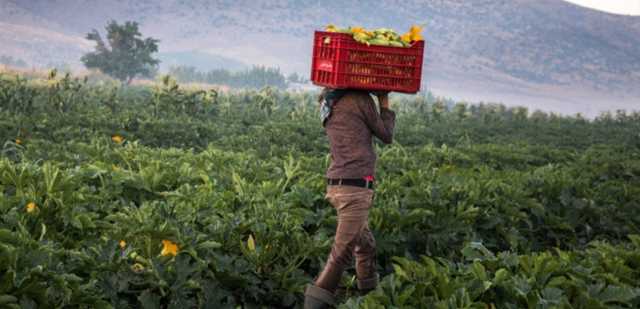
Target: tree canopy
<point>256,77</point>
<point>125,54</point>
<point>14,62</point>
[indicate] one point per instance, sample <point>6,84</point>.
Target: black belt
<point>357,182</point>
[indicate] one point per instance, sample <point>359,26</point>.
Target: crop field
<point>164,197</point>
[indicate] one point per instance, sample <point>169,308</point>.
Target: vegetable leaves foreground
<point>214,200</point>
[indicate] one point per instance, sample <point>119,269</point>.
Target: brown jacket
<point>353,123</point>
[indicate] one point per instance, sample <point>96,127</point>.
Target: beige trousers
<point>353,238</point>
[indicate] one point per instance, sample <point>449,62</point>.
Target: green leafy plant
<point>487,207</point>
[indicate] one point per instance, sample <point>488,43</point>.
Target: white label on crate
<point>325,66</point>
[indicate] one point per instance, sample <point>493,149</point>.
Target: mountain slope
<point>509,50</point>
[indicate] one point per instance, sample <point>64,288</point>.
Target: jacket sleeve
<point>381,124</point>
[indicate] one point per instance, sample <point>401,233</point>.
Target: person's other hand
<point>383,98</point>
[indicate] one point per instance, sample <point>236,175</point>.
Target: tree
<point>294,78</point>
<point>125,55</point>
<point>257,77</point>
<point>14,62</point>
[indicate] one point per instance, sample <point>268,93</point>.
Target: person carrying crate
<point>350,119</point>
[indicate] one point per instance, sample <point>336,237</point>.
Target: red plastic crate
<point>341,62</point>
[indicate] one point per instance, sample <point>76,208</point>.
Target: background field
<point>478,206</point>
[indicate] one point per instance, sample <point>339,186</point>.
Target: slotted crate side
<point>341,62</point>
<point>326,60</point>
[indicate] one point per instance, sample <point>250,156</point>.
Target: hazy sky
<point>627,7</point>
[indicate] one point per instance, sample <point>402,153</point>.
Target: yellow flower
<point>406,37</point>
<point>415,29</point>
<point>416,33</point>
<point>123,244</point>
<point>355,30</point>
<point>18,141</point>
<point>169,248</point>
<point>117,139</point>
<point>31,207</point>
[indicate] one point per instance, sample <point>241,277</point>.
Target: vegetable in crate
<point>381,36</point>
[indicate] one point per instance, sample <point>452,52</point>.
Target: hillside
<point>522,51</point>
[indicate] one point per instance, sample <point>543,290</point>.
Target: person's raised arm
<point>380,124</point>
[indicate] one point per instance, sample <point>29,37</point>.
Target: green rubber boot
<point>318,298</point>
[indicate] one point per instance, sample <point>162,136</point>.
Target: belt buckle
<point>340,182</point>
<point>366,184</point>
